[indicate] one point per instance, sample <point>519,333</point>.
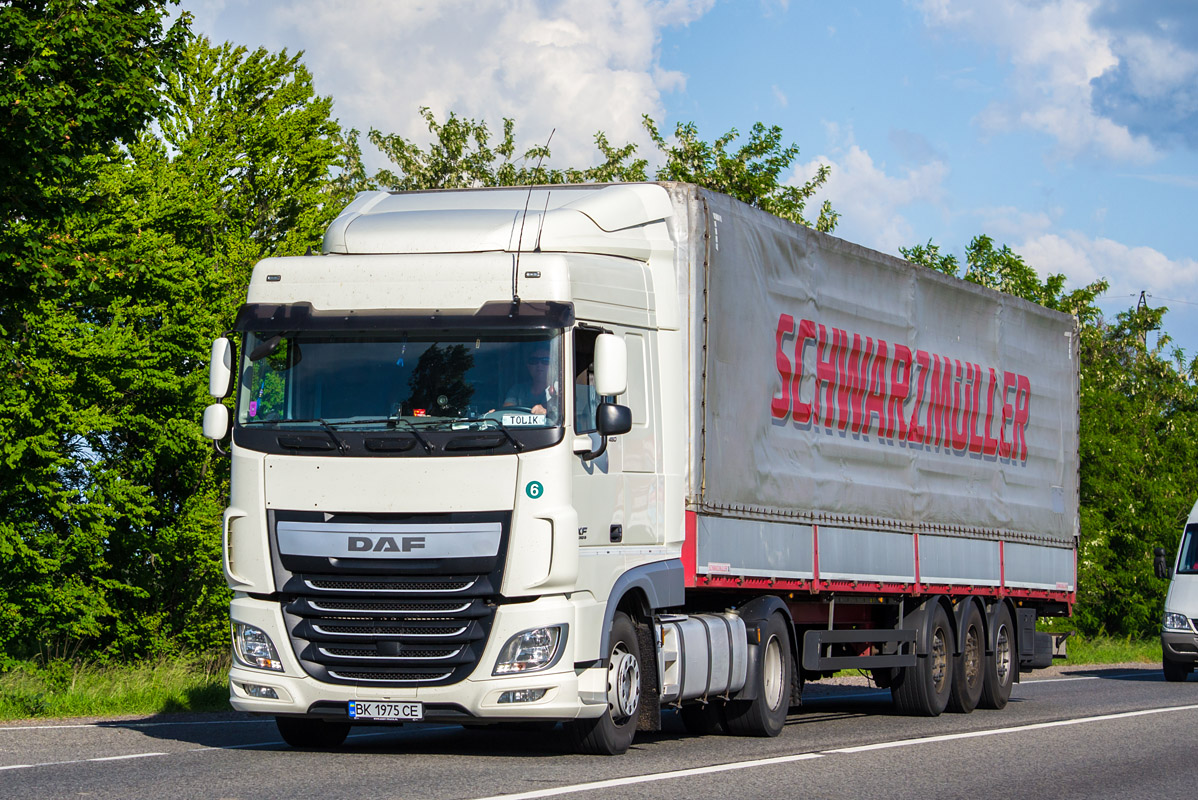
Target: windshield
<point>420,378</point>
<point>1188,563</point>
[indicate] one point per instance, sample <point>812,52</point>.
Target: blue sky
<point>1067,129</point>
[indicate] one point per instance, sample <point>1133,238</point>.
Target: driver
<point>538,394</point>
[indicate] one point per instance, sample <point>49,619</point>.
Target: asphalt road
<point>1081,733</point>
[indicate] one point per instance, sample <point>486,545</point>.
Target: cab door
<point>598,483</point>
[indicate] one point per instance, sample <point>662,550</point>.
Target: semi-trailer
<point>588,454</point>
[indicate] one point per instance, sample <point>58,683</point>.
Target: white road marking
<point>684,773</point>
<point>1016,729</point>
<point>1034,681</point>
<point>654,776</point>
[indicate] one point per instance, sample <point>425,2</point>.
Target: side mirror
<point>610,420</point>
<point>220,369</point>
<point>1160,566</point>
<point>613,420</point>
<point>611,365</point>
<point>216,422</point>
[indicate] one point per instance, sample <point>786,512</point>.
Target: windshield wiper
<point>411,428</point>
<point>323,423</point>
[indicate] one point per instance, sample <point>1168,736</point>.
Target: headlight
<point>253,648</point>
<point>1176,622</point>
<point>529,651</point>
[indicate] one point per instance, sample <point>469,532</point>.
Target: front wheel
<point>610,734</point>
<point>1175,672</point>
<point>766,714</point>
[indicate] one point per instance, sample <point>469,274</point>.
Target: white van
<point>1179,627</point>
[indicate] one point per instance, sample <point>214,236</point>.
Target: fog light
<point>530,650</point>
<point>522,695</point>
<point>253,648</point>
<point>264,692</point>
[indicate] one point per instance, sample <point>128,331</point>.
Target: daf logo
<point>385,544</point>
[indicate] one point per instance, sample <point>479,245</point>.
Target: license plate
<point>386,711</point>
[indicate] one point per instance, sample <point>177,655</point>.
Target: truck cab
<point>1179,625</point>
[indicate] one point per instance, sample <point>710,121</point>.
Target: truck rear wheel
<point>765,715</point>
<point>1175,671</point>
<point>312,733</point>
<point>1000,667</point>
<point>969,674</point>
<point>610,734</point>
<point>923,690</point>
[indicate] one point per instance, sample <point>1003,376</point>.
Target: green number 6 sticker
<point>534,489</point>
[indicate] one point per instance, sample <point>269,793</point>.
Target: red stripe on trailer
<point>689,548</point>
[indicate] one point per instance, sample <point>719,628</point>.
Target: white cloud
<point>576,66</point>
<point>1128,269</point>
<point>870,201</point>
<point>1056,54</point>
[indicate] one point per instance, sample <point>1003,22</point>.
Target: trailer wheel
<point>1000,667</point>
<point>611,733</point>
<point>766,714</point>
<point>970,673</point>
<point>1175,671</point>
<point>312,733</point>
<point>703,719</point>
<point>923,690</point>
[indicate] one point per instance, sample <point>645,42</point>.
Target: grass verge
<point>65,689</point>
<point>1112,650</point>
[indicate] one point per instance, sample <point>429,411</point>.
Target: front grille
<point>381,621</point>
<point>408,586</point>
<point>355,676</point>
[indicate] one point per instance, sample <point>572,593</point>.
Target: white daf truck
<point>588,454</point>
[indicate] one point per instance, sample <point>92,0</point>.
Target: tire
<point>970,672</point>
<point>312,733</point>
<point>611,733</point>
<point>1001,664</point>
<point>703,719</point>
<point>1175,671</point>
<point>766,714</point>
<point>923,690</point>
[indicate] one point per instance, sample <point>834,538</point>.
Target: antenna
<point>537,247</point>
<point>520,239</point>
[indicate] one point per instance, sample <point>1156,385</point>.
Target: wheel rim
<point>972,656</point>
<point>1002,655</point>
<point>772,673</point>
<point>939,659</point>
<point>623,683</point>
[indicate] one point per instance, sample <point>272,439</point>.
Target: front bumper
<point>475,699</point>
<point>1180,647</point>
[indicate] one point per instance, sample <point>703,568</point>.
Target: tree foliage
<point>461,155</point>
<point>112,544</point>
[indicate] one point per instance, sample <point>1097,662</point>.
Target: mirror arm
<point>591,456</point>
<point>219,451</point>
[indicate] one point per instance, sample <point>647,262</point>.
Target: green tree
<point>461,155</point>
<point>114,544</point>
<point>75,76</point>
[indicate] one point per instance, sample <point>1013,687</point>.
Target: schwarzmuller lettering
<point>385,544</point>
<point>916,398</point>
